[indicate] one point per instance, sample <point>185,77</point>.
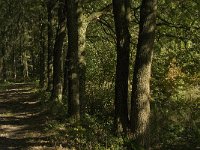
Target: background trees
<point>93,61</point>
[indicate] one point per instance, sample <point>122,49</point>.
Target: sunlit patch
<point>74,75</point>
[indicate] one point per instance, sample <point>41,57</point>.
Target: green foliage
<point>176,123</point>
<point>91,133</point>
<point>175,72</point>
<point>176,99</point>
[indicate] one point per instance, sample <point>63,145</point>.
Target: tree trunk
<point>140,101</point>
<point>33,67</point>
<point>50,5</point>
<point>25,65</point>
<point>58,57</point>
<point>14,65</point>
<point>43,60</point>
<point>83,22</point>
<point>121,12</point>
<point>82,62</point>
<point>1,65</point>
<point>4,68</point>
<point>73,76</point>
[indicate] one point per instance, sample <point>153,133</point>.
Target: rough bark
<point>121,10</point>
<point>140,101</point>
<point>82,21</point>
<point>58,54</point>
<point>73,76</point>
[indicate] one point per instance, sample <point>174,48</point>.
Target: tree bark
<point>25,65</point>
<point>83,21</point>
<point>4,67</point>
<point>140,101</point>
<point>121,10</point>
<point>83,24</point>
<point>72,56</point>
<point>58,57</point>
<point>14,65</point>
<point>50,5</point>
<point>43,59</point>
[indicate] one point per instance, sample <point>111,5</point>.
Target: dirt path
<point>22,119</point>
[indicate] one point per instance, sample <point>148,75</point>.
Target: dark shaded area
<point>22,118</point>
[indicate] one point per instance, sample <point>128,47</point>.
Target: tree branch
<point>98,14</point>
<point>178,26</point>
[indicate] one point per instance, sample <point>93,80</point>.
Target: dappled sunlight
<point>21,118</point>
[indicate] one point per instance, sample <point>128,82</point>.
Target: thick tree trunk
<point>121,18</point>
<point>140,102</point>
<point>82,21</point>
<point>58,57</point>
<point>73,76</point>
<point>82,62</point>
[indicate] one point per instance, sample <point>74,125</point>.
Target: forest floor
<point>22,119</point>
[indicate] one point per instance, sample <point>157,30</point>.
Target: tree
<point>121,10</point>
<point>83,20</point>
<point>43,58</point>
<point>73,61</point>
<point>140,101</point>
<point>50,5</point>
<point>3,63</point>
<point>58,54</point>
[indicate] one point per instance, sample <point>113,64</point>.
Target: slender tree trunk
<point>21,55</point>
<point>33,68</point>
<point>25,65</point>
<point>43,60</point>
<point>14,65</point>
<point>58,57</point>
<point>4,68</point>
<point>66,74</point>
<point>50,4</point>
<point>121,12</point>
<point>73,76</point>
<point>1,64</point>
<point>140,101</point>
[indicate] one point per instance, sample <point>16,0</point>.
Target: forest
<point>100,74</point>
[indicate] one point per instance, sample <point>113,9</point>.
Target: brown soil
<point>22,119</point>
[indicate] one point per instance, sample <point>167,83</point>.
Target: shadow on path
<point>22,119</point>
